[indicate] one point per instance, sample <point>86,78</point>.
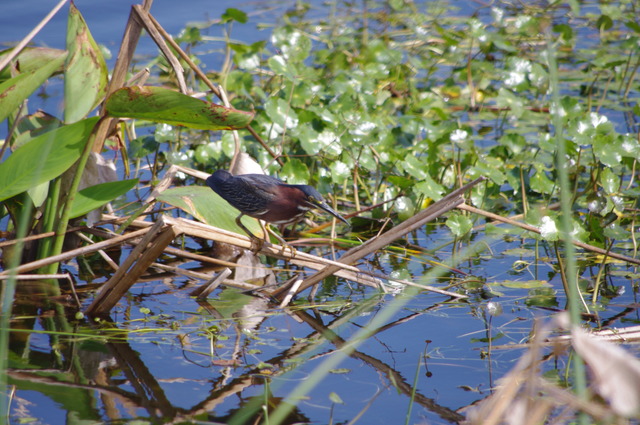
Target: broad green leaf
<point>489,167</point>
<point>30,59</point>
<point>507,99</point>
<point>281,66</point>
<point>170,107</point>
<point>44,158</point>
<point>90,198</point>
<point>405,207</point>
<point>400,182</point>
<point>281,113</point>
<point>30,126</point>
<point>339,171</point>
<point>38,194</point>
<point>524,284</point>
<point>616,231</point>
<point>542,297</point>
<point>207,206</point>
<point>459,224</point>
<point>294,44</point>
<point>15,90</point>
<point>86,74</point>
<point>604,22</point>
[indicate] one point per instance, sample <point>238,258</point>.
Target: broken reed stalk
<point>196,229</point>
<point>204,79</point>
<point>205,231</point>
<point>434,211</point>
<point>132,33</point>
<point>534,229</point>
<point>141,257</point>
<point>27,39</point>
<point>145,18</point>
<point>75,252</point>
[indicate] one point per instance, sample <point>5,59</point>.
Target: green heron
<point>267,198</point>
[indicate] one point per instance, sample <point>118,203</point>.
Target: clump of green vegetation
<point>389,104</point>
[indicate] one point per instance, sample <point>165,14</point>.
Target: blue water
<point>175,358</point>
<point>107,19</point>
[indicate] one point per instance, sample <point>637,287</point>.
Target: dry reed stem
<point>203,291</point>
<point>38,236</point>
<point>25,41</point>
<point>525,397</point>
<point>350,257</point>
<point>144,16</point>
<point>201,230</point>
<point>128,45</point>
<point>75,253</point>
<point>618,335</point>
<point>534,229</point>
<point>141,257</point>
<point>209,84</point>
<point>205,231</point>
<point>38,276</point>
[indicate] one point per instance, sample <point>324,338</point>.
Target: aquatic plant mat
<point>487,164</point>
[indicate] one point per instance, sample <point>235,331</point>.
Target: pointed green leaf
<point>86,73</point>
<point>168,106</point>
<point>90,198</point>
<point>44,158</point>
<point>30,59</point>
<point>207,206</point>
<point>15,90</point>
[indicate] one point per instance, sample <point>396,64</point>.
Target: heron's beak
<point>323,206</point>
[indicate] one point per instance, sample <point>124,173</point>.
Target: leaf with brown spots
<point>171,107</point>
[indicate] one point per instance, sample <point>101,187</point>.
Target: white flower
<point>459,135</point>
<point>548,227</point>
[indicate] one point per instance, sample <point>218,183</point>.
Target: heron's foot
<point>256,245</point>
<point>286,246</point>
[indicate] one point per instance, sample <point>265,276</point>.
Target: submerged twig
<point>204,290</point>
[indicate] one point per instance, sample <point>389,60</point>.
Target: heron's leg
<point>283,243</point>
<point>256,242</point>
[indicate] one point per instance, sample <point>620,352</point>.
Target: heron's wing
<point>250,193</point>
